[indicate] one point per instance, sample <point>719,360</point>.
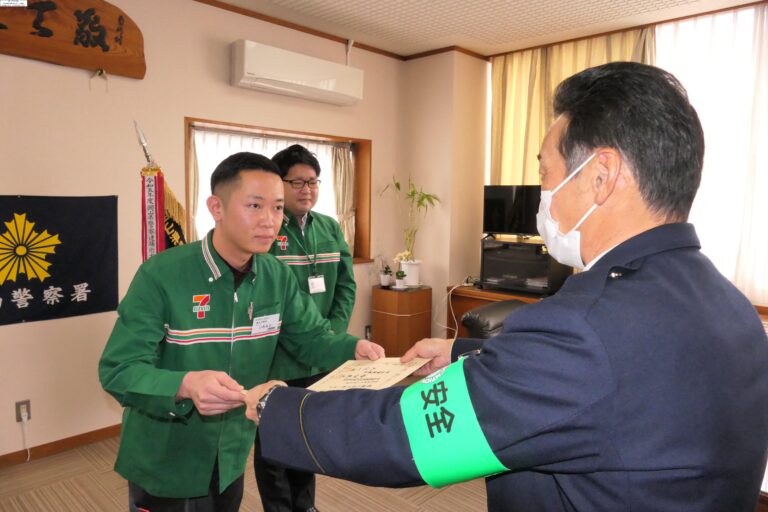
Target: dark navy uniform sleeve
<point>540,390</point>
<point>356,435</point>
<point>465,346</point>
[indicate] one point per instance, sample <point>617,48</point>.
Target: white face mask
<point>565,248</point>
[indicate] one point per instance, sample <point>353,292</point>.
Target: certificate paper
<point>365,374</point>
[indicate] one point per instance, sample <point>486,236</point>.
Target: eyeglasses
<point>299,184</point>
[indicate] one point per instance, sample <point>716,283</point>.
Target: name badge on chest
<point>265,324</point>
<point>316,284</point>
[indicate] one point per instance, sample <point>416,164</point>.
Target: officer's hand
<point>254,395</point>
<point>436,349</point>
<point>212,392</point>
<point>368,350</point>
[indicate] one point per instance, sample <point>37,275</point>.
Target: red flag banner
<point>152,212</point>
<point>162,216</point>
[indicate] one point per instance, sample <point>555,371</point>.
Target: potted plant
<point>400,279</point>
<point>418,203</point>
<point>385,277</point>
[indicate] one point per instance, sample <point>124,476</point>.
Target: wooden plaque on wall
<point>88,34</point>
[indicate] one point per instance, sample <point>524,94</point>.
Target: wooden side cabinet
<point>400,318</point>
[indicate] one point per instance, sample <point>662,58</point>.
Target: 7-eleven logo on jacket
<point>202,306</point>
<point>282,242</point>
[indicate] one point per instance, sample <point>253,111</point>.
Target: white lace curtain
<point>722,60</point>
<point>211,146</point>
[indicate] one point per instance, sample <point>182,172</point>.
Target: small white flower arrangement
<point>406,255</point>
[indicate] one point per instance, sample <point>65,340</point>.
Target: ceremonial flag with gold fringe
<point>162,216</point>
<point>58,257</point>
<point>152,208</point>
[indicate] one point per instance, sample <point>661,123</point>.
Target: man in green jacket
<point>312,245</point>
<point>198,325</point>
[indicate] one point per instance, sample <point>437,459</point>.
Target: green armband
<point>446,440</point>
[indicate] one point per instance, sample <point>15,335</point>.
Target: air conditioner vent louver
<point>266,68</point>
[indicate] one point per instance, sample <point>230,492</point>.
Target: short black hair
<point>229,168</point>
<point>295,154</point>
<point>643,112</point>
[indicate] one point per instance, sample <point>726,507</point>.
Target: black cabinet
<point>521,266</point>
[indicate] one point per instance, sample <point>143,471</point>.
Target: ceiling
<point>487,27</point>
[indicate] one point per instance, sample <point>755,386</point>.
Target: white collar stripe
<point>208,257</point>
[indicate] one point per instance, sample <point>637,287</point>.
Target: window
<point>210,142</point>
<point>722,60</point>
<point>213,146</point>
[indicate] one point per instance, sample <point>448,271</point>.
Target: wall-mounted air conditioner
<point>270,69</point>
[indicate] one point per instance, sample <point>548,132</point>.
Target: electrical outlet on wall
<point>23,408</point>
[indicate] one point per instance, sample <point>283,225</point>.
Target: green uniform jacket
<point>321,250</point>
<point>181,314</point>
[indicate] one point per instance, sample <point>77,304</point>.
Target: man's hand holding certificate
<point>359,374</point>
<point>366,352</point>
<point>364,374</point>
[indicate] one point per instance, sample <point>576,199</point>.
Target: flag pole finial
<point>143,141</point>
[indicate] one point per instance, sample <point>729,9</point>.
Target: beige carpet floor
<point>82,480</point>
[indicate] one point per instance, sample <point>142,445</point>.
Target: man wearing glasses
<point>312,245</point>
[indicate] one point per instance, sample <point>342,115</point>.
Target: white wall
<point>468,178</point>
<point>428,159</point>
<point>63,134</point>
<point>444,150</point>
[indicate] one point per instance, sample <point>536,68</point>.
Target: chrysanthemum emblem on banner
<point>24,250</point>
<point>56,261</point>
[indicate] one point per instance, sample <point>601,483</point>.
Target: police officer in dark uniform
<point>640,385</point>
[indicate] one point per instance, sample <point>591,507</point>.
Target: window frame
<point>361,153</point>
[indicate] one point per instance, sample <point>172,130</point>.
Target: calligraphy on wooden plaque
<point>88,34</point>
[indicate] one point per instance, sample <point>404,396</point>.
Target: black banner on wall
<point>58,257</point>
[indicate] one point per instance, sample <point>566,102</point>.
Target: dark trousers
<point>281,489</point>
<point>140,500</point>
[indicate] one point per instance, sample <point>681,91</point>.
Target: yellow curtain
<point>344,187</point>
<point>523,84</point>
<point>193,183</point>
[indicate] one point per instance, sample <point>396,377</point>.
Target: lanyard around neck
<point>313,245</point>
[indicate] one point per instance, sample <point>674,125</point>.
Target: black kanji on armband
<point>437,395</point>
<point>443,419</point>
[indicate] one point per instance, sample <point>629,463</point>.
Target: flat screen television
<point>511,209</point>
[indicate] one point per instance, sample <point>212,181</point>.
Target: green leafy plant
<point>400,274</point>
<point>386,270</point>
<point>419,203</point>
